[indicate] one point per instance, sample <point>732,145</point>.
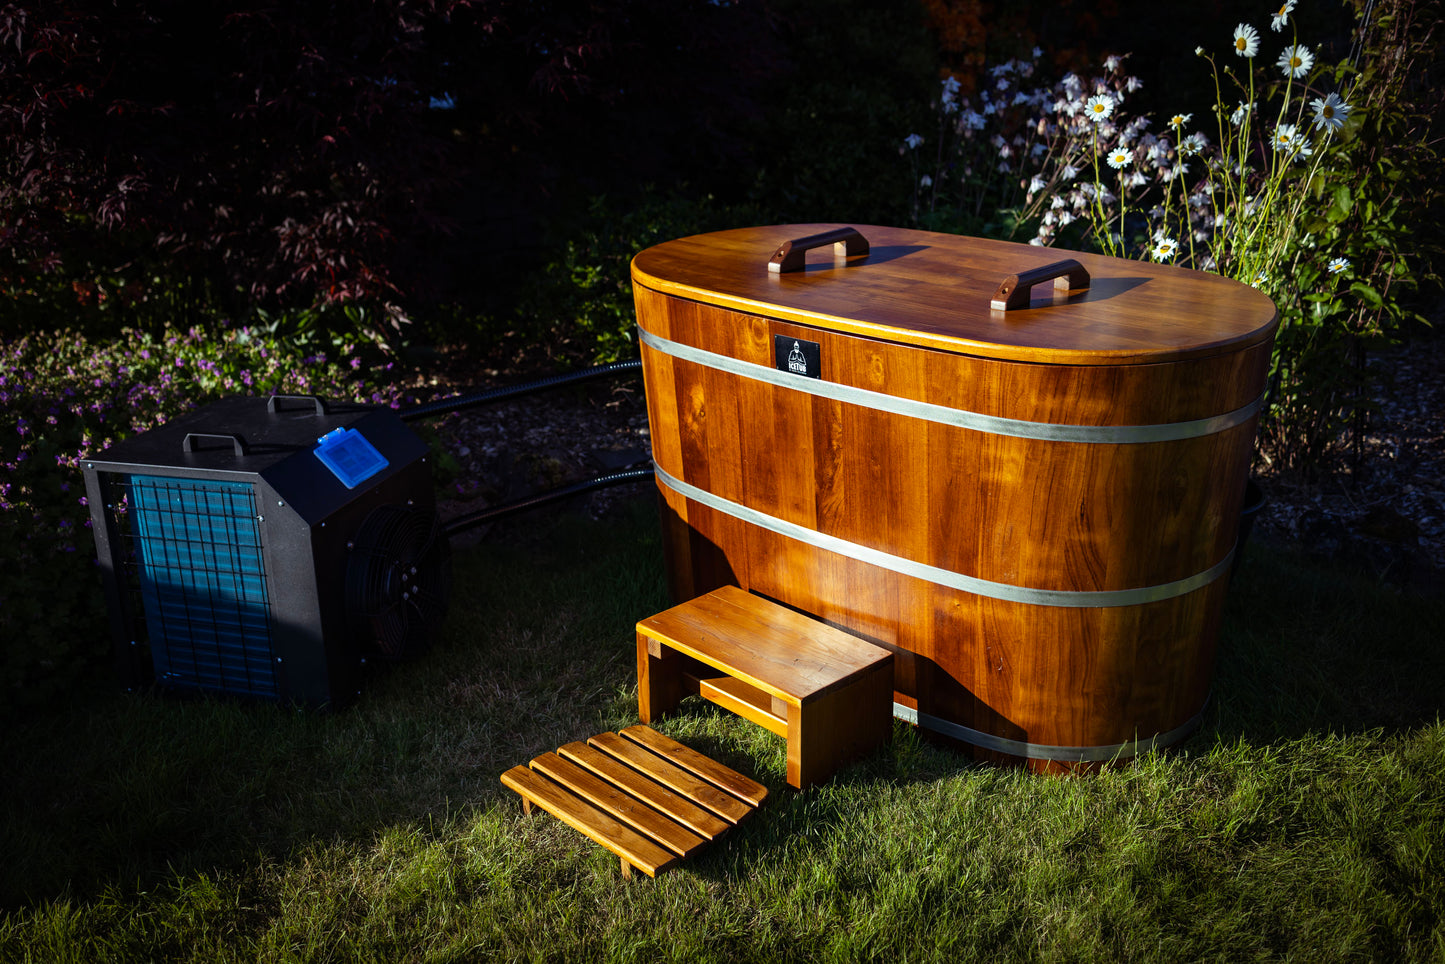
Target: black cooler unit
<point>267,547</point>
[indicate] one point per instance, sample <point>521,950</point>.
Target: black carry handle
<point>1014,291</point>
<point>792,255</point>
<point>188,444</point>
<point>273,403</point>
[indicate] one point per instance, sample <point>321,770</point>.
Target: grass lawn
<point>1305,821</point>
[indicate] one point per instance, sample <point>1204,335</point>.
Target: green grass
<point>1306,821</point>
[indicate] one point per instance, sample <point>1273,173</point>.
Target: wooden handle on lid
<point>791,255</point>
<point>1013,293</point>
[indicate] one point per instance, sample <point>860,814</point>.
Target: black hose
<point>482,516</point>
<point>456,403</point>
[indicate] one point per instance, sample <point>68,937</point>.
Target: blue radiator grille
<point>203,584</point>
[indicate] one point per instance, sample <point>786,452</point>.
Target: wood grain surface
<point>934,290</point>
<point>1175,346</point>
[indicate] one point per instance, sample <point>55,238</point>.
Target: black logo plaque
<point>797,356</point>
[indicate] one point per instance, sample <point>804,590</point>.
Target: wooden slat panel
<point>581,816</point>
<point>614,802</point>
<point>674,777</point>
<point>746,701</point>
<point>745,789</point>
<point>679,808</point>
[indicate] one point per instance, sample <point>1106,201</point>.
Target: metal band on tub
<point>1068,598</point>
<point>1043,751</point>
<point>978,422</point>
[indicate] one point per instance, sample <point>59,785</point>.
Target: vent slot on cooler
<point>203,583</point>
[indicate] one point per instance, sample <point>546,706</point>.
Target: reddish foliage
<point>294,153</point>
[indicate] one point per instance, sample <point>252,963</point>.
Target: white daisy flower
<point>1338,264</point>
<point>1118,158</point>
<point>1193,144</point>
<point>1281,16</point>
<point>1240,113</point>
<point>1260,279</point>
<point>1330,112</point>
<point>912,141</point>
<point>1296,61</point>
<point>1099,107</point>
<point>1179,120</point>
<point>1246,40</point>
<point>1165,249</point>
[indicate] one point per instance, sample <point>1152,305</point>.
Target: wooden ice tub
<point>1034,508</point>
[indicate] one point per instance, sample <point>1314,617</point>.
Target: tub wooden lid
<point>940,291</point>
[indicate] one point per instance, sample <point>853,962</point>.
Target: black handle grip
<point>1014,291</point>
<point>273,404</point>
<point>188,444</point>
<point>792,255</point>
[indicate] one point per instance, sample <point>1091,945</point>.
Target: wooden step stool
<point>829,693</point>
<point>642,795</point>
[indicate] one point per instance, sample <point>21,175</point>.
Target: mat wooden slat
<point>615,799</point>
<point>672,776</point>
<point>696,818</point>
<point>618,804</point>
<point>749,791</point>
<point>633,848</point>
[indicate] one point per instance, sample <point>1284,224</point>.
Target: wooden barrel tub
<point>1022,477</point>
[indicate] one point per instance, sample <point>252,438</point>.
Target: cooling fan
<point>398,578</point>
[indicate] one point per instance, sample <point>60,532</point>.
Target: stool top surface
<point>782,652</point>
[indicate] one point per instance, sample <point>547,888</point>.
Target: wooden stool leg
<point>839,728</point>
<point>659,679</point>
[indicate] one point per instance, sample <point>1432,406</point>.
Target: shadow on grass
<point>112,792</point>
<point>1312,647</point>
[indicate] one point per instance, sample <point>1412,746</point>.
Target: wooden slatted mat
<point>643,796</point>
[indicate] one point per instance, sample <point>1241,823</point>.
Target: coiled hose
<point>491,512</point>
<point>457,403</point>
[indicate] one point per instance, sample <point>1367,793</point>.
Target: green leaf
<point>1367,294</point>
<point>1343,202</point>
